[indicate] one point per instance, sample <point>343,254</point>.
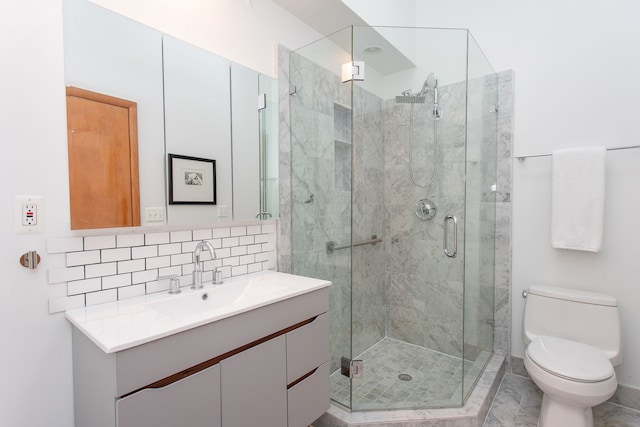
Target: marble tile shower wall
<point>98,269</point>
<point>425,287</point>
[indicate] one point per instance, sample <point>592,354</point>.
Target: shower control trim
<point>425,209</point>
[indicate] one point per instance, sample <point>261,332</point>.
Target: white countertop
<point>124,324</point>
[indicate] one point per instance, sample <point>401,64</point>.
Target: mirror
<point>190,102</point>
<point>108,54</point>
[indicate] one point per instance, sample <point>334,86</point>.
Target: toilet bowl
<point>573,376</point>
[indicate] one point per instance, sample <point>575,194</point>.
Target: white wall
<point>35,361</point>
<point>576,84</point>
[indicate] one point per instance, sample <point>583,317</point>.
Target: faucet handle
<point>174,283</point>
<point>217,276</point>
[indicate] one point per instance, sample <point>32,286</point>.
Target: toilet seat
<point>570,360</point>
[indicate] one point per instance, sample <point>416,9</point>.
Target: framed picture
<point>192,180</point>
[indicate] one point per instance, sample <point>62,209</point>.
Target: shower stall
<point>393,172</point>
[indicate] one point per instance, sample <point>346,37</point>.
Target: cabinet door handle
<point>447,252</point>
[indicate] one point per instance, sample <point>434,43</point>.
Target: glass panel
<point>321,184</point>
<point>367,157</point>
<point>482,118</point>
<point>269,148</point>
<point>407,294</point>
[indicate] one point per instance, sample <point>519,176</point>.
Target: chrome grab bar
<point>445,242</point>
<point>331,246</point>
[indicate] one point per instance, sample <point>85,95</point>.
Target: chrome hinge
<point>351,368</point>
<point>262,101</point>
<point>353,70</point>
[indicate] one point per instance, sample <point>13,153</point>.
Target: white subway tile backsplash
<point>180,259</point>
<point>254,229</point>
<point>232,261</point>
<point>247,259</point>
<point>131,291</point>
<point>144,252</point>
<point>101,297</point>
<point>59,275</point>
<point>158,262</point>
<point>252,249</point>
<point>238,250</point>
<point>71,244</point>
<point>158,286</point>
<point>246,240</point>
<point>229,241</point>
<point>254,268</point>
<point>130,266</point>
<point>238,231</point>
<point>239,270</point>
<point>99,242</point>
<point>219,233</point>
<point>269,228</point>
<point>202,234</point>
<point>121,254</point>
<point>156,238</point>
<point>169,271</point>
<point>170,249</point>
<point>265,238</point>
<point>129,240</point>
<point>98,270</point>
<point>95,269</point>
<point>117,281</point>
<point>144,276</point>
<point>83,286</point>
<point>82,258</point>
<point>56,305</point>
<point>262,256</point>
<point>223,253</point>
<point>180,236</point>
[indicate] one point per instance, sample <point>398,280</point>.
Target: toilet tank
<point>576,315</point>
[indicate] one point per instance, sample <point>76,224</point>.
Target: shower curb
<point>472,414</point>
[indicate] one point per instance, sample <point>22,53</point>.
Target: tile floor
<point>433,377</point>
<point>517,404</point>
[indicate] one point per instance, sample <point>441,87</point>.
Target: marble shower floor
<point>518,401</point>
<point>435,378</point>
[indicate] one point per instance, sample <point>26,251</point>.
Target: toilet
<point>573,342</point>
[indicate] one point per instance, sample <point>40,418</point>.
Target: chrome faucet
<point>197,272</point>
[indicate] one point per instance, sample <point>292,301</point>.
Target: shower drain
<point>405,377</point>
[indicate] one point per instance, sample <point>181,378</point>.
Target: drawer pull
<point>302,378</point>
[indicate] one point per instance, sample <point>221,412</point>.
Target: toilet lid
<point>569,359</point>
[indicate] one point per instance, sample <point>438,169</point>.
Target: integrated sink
<point>120,325</point>
<point>216,297</point>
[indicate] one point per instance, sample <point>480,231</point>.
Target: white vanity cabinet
<point>267,367</point>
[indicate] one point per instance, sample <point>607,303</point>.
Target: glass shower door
<point>321,158</point>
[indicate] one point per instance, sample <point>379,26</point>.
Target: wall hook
<point>30,260</point>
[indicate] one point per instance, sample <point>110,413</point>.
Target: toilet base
<point>554,414</point>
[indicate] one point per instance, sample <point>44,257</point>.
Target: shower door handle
<point>447,252</point>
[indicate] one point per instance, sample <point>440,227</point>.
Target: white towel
<point>577,198</point>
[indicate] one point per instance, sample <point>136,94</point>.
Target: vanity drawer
<point>307,347</point>
<point>192,401</point>
<point>309,398</point>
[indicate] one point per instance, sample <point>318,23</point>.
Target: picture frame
<point>192,180</point>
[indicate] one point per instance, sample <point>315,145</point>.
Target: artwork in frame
<point>192,180</point>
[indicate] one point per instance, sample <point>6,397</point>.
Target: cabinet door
<point>254,388</point>
<point>193,401</point>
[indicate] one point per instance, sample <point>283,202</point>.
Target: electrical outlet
<point>28,214</point>
<point>154,214</point>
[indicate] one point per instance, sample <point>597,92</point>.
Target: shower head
<point>430,83</point>
<point>410,99</point>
